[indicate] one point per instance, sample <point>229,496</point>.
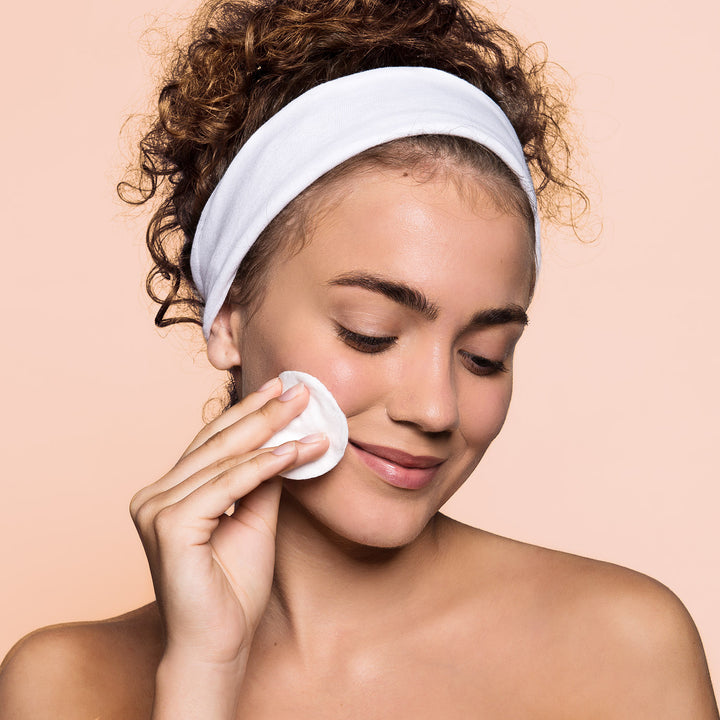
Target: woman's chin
<point>356,519</point>
<point>377,535</point>
<point>381,536</point>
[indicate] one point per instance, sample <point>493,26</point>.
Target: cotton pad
<point>322,415</point>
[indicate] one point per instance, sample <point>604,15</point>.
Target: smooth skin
<point>344,596</point>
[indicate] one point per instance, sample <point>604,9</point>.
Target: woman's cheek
<point>274,345</point>
<point>349,375</point>
<point>354,383</point>
<point>483,415</point>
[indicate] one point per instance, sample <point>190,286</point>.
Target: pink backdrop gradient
<point>610,448</point>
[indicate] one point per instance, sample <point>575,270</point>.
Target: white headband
<point>322,128</point>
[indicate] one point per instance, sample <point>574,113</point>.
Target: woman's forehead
<point>429,233</point>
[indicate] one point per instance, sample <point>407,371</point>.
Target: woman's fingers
<point>170,528</point>
<point>230,444</point>
<point>293,453</point>
<point>193,507</point>
<point>248,433</point>
<point>250,403</point>
<point>196,515</point>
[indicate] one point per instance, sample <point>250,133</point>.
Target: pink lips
<point>396,467</point>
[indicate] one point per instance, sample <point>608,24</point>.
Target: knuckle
<point>267,411</point>
<point>275,414</point>
<point>213,440</point>
<point>225,464</point>
<point>200,439</point>
<point>144,514</point>
<point>217,441</point>
<point>267,415</point>
<point>225,487</point>
<point>164,520</point>
<point>145,495</point>
<point>258,462</point>
<point>136,502</point>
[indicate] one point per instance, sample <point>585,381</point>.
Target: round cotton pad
<point>322,414</point>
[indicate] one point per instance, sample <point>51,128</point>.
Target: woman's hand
<point>213,572</point>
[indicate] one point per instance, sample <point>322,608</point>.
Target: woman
<point>401,278</point>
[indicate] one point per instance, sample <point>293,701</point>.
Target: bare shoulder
<point>637,637</point>
<point>94,669</point>
<point>603,636</point>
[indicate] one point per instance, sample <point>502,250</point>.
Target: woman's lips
<point>396,467</point>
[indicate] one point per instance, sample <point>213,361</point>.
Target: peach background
<point>610,446</point>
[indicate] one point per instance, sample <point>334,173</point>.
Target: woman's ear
<point>223,345</point>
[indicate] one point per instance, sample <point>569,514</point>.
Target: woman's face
<point>407,303</point>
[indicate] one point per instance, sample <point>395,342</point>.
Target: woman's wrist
<point>186,688</point>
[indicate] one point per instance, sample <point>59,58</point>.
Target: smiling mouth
<point>396,467</point>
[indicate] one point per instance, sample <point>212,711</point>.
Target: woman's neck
<point>330,594</point>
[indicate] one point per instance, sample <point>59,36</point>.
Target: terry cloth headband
<point>322,128</point>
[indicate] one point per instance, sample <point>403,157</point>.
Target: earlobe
<point>223,345</point>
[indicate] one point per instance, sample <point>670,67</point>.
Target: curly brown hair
<point>241,62</point>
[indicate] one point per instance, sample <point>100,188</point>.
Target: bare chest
<point>412,684</point>
<point>400,694</point>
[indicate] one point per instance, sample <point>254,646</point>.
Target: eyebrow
<point>413,299</point>
<point>500,316</point>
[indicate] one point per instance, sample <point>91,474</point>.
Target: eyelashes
<point>476,364</point>
<point>365,343</point>
<point>480,365</point>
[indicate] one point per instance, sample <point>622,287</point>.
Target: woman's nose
<point>425,395</point>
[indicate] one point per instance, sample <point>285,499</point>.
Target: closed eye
<point>476,364</point>
<point>365,343</point>
<point>479,365</point>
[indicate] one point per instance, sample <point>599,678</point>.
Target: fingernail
<point>314,438</point>
<point>268,385</point>
<point>292,392</point>
<point>284,449</point>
